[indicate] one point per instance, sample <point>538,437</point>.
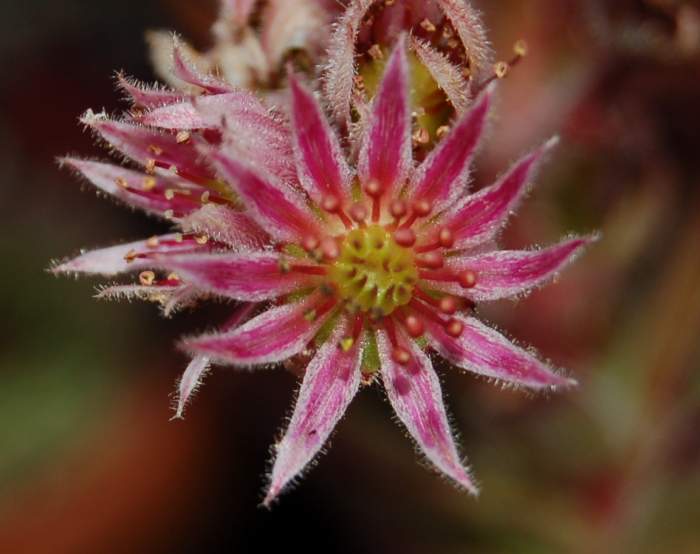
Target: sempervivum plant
<point>361,267</point>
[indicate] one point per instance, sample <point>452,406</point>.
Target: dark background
<point>89,461</point>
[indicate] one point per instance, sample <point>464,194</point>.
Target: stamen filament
<point>309,269</point>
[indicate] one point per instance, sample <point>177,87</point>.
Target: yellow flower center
<point>373,273</point>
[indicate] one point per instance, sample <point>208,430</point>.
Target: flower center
<point>373,272</point>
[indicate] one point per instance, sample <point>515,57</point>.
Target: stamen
<point>359,213</point>
<point>446,238</point>
<point>427,312</point>
<point>432,260</point>
<point>374,190</point>
<point>428,25</point>
<point>454,327</point>
<point>398,209</point>
<point>405,237</point>
<point>448,305</point>
<point>309,243</point>
<point>182,137</point>
<point>330,249</point>
<point>149,183</point>
<point>467,279</point>
<point>401,356</point>
<point>346,344</point>
<point>442,131</point>
<point>414,326</point>
<point>391,331</point>
<point>502,68</point>
<point>375,52</point>
<point>332,205</point>
<point>425,297</point>
<point>421,137</point>
<point>147,278</point>
<point>308,269</point>
<point>420,208</point>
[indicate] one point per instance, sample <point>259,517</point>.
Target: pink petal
<point>126,257</point>
<point>147,146</point>
<point>478,217</point>
<point>196,369</point>
<point>247,125</point>
<point>467,22</point>
<point>442,178</point>
<point>276,208</point>
<point>264,141</point>
<point>223,224</point>
<point>170,297</point>
<point>250,277</point>
<point>386,154</point>
<point>184,69</point>
<point>503,274</point>
<point>338,79</point>
<point>138,189</point>
<point>271,337</point>
<point>415,394</point>
<point>447,75</point>
<point>148,97</point>
<point>484,351</point>
<point>190,381</point>
<point>320,161</point>
<point>330,383</point>
<point>207,112</point>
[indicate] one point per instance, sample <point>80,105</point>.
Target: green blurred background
<point>89,461</point>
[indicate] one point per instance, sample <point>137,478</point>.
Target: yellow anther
<point>169,194</point>
<point>376,52</point>
<point>182,136</point>
<point>205,197</point>
<point>122,182</point>
<point>173,277</point>
<point>347,343</point>
<point>155,150</point>
<point>428,25</point>
<point>501,69</point>
<point>147,278</point>
<point>149,183</point>
<point>442,131</point>
<point>152,242</point>
<point>201,239</point>
<point>520,48</point>
<point>421,136</point>
<point>311,315</point>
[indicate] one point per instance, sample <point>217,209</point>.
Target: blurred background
<point>89,461</point>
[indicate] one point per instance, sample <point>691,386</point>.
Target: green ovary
<point>373,273</point>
